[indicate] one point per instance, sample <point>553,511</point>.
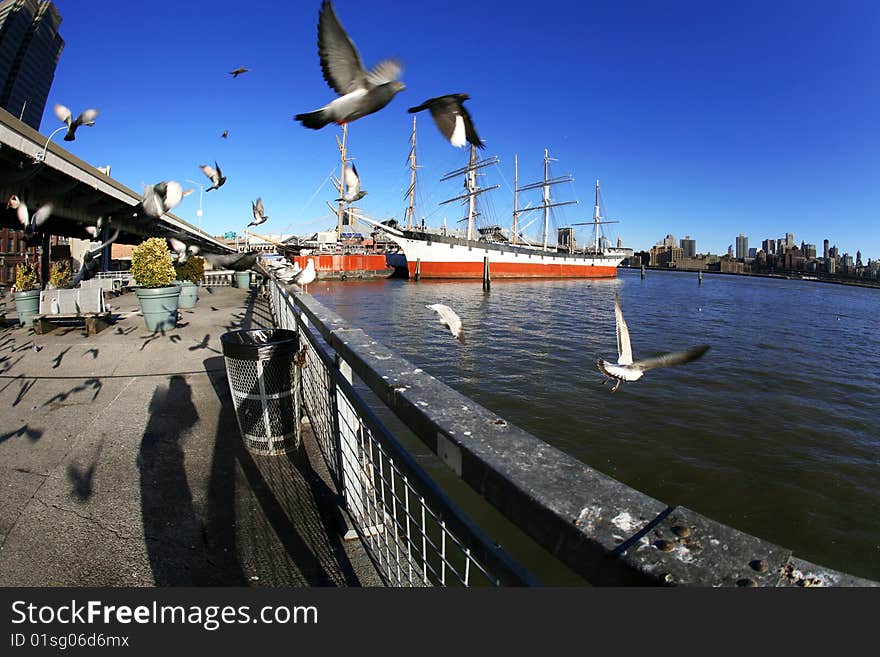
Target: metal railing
<point>605,531</point>
<point>414,534</point>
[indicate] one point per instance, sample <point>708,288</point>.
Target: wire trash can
<point>264,382</point>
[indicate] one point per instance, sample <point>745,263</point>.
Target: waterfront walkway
<point>121,463</point>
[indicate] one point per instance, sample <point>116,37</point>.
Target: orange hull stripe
<point>332,262</point>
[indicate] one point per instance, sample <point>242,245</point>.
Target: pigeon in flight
<point>181,250</point>
<point>239,71</point>
<point>259,214</point>
<point>225,134</point>
<point>449,319</point>
<point>353,191</point>
<point>452,118</point>
<point>162,197</point>
<point>233,261</point>
<point>361,92</point>
<point>64,115</point>
<point>90,261</point>
<point>628,370</point>
<point>28,222</point>
<point>306,276</point>
<point>215,174</point>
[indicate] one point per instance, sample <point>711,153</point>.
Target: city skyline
<point>695,121</point>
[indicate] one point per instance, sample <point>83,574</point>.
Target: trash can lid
<point>259,344</point>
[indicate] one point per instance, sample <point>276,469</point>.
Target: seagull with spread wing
<point>86,118</point>
<point>259,214</point>
<point>361,92</point>
<point>214,174</point>
<point>30,223</point>
<point>450,319</point>
<point>453,120</point>
<point>626,369</point>
<point>353,191</point>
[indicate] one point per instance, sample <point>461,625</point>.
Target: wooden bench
<point>69,305</point>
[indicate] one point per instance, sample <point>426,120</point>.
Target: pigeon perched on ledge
<point>361,92</point>
<point>453,120</point>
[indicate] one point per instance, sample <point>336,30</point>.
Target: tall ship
<point>434,253</point>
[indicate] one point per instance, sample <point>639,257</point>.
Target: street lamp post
<point>201,193</point>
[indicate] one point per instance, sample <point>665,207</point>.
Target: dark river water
<point>775,431</point>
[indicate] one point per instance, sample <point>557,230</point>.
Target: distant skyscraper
<point>753,252</point>
<point>789,240</point>
<point>858,258</point>
<point>29,50</point>
<point>825,249</point>
<point>769,247</point>
<point>742,247</point>
<point>688,247</point>
<point>809,251</point>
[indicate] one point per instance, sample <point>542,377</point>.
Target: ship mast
<point>412,180</point>
<point>339,211</point>
<point>470,184</point>
<point>545,195</point>
<point>546,203</point>
<point>515,185</point>
<point>596,217</point>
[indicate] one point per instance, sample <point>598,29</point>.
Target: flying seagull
<point>306,276</point>
<point>449,319</point>
<point>361,92</point>
<point>239,71</point>
<point>628,370</point>
<point>162,197</point>
<point>86,118</point>
<point>89,262</point>
<point>259,214</point>
<point>28,222</point>
<point>215,174</point>
<point>353,190</point>
<point>452,118</point>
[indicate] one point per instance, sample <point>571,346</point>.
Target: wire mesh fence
<point>414,534</point>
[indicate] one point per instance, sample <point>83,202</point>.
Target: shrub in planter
<point>188,276</point>
<point>152,268</point>
<point>59,275</point>
<point>27,293</point>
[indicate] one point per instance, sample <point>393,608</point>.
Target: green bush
<point>26,278</point>
<point>59,275</point>
<point>193,270</point>
<point>151,264</point>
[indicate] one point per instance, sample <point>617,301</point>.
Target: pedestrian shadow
<point>290,515</point>
<point>175,536</point>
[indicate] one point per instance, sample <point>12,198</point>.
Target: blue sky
<point>700,118</point>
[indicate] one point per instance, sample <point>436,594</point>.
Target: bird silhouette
<point>162,197</point>
<point>259,214</point>
<point>225,134</point>
<point>233,261</point>
<point>353,191</point>
<point>450,319</point>
<point>30,223</point>
<point>626,369</point>
<point>215,174</point>
<point>361,92</point>
<point>89,263</point>
<point>239,71</point>
<point>181,250</point>
<point>86,118</point>
<point>451,117</point>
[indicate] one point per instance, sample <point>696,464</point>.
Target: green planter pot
<point>243,279</point>
<point>27,304</point>
<point>189,294</point>
<point>159,306</point>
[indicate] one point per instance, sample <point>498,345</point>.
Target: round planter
<point>243,279</point>
<point>189,294</point>
<point>159,306</point>
<point>27,304</point>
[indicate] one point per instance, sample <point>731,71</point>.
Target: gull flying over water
<point>259,214</point>
<point>452,118</point>
<point>626,369</point>
<point>449,319</point>
<point>86,118</point>
<point>30,223</point>
<point>353,191</point>
<point>215,174</point>
<point>361,92</point>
